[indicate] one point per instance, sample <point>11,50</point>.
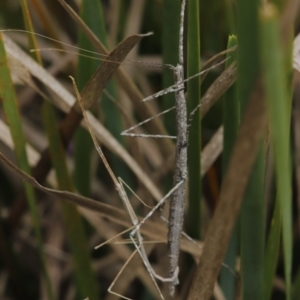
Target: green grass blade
<point>230,16</point>
<point>8,97</point>
<point>296,287</point>
<point>248,55</point>
<point>272,251</point>
<point>231,122</point>
<point>92,15</point>
<point>78,242</point>
<point>89,12</point>
<point>253,233</point>
<point>170,42</point>
<point>278,104</point>
<point>194,149</point>
<point>252,212</point>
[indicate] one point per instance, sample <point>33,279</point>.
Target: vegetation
<point>58,202</point>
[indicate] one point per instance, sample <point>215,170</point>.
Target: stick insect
<point>176,214</point>
<point>178,191</point>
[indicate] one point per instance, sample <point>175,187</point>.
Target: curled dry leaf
<point>145,110</point>
<point>93,89</point>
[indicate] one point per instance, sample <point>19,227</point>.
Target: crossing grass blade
<point>231,122</point>
<point>194,94</point>
<point>278,105</point>
<point>8,97</point>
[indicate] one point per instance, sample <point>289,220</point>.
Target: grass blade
<point>194,149</point>
<point>233,188</point>
<point>272,251</point>
<point>296,287</point>
<point>89,12</point>
<point>76,236</point>
<point>231,123</point>
<point>252,212</point>
<point>7,94</point>
<point>253,233</point>
<point>170,42</point>
<point>278,103</point>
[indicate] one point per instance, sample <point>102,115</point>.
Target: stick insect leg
<point>113,238</point>
<point>119,187</point>
<point>138,245</point>
<point>119,274</point>
<point>141,250</point>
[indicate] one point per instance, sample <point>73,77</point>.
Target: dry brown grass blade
<point>288,17</point>
<point>145,110</point>
<point>211,151</point>
<point>19,73</point>
<point>154,230</point>
<point>215,91</point>
<point>216,59</point>
<point>59,96</point>
<point>233,187</point>
<point>218,88</point>
<point>93,89</point>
